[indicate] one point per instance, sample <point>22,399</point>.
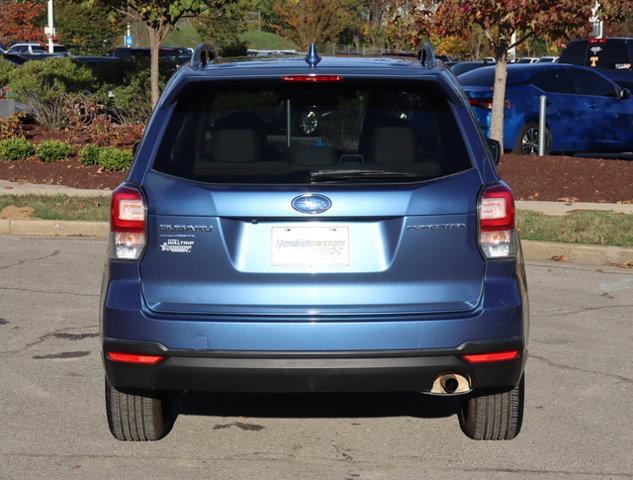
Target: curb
<point>532,250</point>
<point>54,228</point>
<point>576,253</point>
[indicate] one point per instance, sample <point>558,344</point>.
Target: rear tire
<point>137,415</point>
<point>527,141</point>
<point>493,415</point>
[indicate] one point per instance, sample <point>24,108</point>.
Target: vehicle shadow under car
<point>315,405</point>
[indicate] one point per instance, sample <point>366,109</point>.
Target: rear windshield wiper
<point>355,174</point>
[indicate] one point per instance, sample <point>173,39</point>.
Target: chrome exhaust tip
<point>450,384</point>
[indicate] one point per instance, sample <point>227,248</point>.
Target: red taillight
<point>496,209</point>
<point>492,357</point>
<point>312,78</point>
<point>134,358</point>
<point>593,41</point>
<point>127,223</point>
<point>497,236</point>
<point>485,103</point>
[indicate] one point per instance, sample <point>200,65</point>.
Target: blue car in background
<point>319,224</point>
<point>586,111</point>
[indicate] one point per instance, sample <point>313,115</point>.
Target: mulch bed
<point>568,179</point>
<point>554,178</point>
<point>66,172</point>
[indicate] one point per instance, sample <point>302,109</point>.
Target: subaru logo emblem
<point>311,203</point>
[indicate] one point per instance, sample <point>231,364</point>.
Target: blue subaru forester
<point>314,224</point>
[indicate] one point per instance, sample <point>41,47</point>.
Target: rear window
<point>480,77</point>
<point>575,53</point>
<point>610,55</point>
<point>278,132</point>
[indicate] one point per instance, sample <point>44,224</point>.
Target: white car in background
<point>526,60</point>
<point>27,49</point>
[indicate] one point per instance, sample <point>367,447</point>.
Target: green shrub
<point>131,103</point>
<point>115,159</point>
<point>44,86</point>
<point>16,149</point>
<point>6,69</point>
<point>54,150</point>
<point>89,155</point>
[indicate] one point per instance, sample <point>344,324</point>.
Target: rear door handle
<point>591,106</point>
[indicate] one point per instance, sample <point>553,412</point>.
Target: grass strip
<point>61,207</point>
<point>585,227</point>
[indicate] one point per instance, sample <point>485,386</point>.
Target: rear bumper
<point>375,371</point>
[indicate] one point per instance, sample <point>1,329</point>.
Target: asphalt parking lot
<point>578,421</point>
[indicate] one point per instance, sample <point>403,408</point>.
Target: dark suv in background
<point>612,56</point>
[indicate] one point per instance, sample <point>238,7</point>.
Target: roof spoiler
<point>427,56</point>
<point>202,55</point>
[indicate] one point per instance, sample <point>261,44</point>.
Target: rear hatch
<point>299,200</point>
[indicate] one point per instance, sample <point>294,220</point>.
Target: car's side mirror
<point>135,147</point>
<point>495,149</point>
<point>624,93</point>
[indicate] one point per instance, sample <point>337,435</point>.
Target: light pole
<point>596,21</point>
<point>49,30</point>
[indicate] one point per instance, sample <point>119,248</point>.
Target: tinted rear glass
<point>480,77</point>
<point>612,55</point>
<point>461,68</point>
<point>279,132</point>
<point>575,53</point>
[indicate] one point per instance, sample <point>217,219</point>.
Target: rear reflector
<point>312,78</point>
<point>492,357</point>
<point>134,358</point>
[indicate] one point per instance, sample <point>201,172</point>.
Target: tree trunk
<point>154,47</point>
<point>499,96</point>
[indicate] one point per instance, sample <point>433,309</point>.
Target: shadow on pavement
<point>316,405</point>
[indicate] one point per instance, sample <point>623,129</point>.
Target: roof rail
<point>426,55</point>
<point>202,55</point>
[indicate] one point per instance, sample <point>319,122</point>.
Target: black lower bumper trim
<point>345,372</point>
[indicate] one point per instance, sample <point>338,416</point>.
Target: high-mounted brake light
<point>134,358</point>
<point>593,41</point>
<point>127,223</point>
<point>497,234</point>
<point>492,357</point>
<point>312,78</point>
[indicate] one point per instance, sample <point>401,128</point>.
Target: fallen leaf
<point>559,258</point>
<point>627,264</point>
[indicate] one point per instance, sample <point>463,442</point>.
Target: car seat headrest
<point>235,145</point>
<point>393,145</point>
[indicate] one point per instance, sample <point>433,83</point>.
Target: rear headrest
<point>235,145</point>
<point>393,145</point>
<point>311,155</point>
